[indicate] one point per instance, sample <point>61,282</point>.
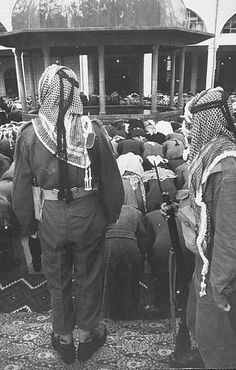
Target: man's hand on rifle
<point>167,208</point>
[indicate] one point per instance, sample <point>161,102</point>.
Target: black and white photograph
<point>117,184</point>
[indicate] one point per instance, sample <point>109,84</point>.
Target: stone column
<point>172,78</point>
<point>79,73</point>
<point>194,73</point>
<point>46,56</point>
<point>83,74</point>
<point>20,79</point>
<point>211,66</point>
<point>181,77</point>
<point>32,82</point>
<point>101,76</point>
<point>91,74</point>
<point>141,66</point>
<point>2,86</point>
<point>155,50</point>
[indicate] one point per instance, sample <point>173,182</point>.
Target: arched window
<point>10,82</point>
<point>230,25</point>
<point>195,22</point>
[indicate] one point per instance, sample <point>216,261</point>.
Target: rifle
<point>178,281</point>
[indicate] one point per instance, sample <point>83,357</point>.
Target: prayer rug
<point>139,344</point>
<point>28,293</point>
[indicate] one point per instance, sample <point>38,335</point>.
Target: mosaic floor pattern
<point>131,345</point>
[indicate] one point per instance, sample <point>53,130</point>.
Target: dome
<point>100,14</point>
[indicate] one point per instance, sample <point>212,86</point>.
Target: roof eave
<point>11,39</point>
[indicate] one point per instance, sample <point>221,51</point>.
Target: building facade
<point>207,64</point>
<point>212,62</point>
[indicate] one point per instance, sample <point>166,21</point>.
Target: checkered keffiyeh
<point>60,125</point>
<point>54,81</point>
<point>212,139</point>
<point>209,118</point>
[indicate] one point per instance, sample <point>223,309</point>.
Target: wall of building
<point>207,11</point>
<point>220,49</point>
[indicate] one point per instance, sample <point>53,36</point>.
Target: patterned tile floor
<point>131,345</point>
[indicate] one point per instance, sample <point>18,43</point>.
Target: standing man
<point>212,188</point>
<point>69,159</point>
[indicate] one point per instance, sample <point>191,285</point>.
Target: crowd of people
<point>91,199</point>
<point>11,108</point>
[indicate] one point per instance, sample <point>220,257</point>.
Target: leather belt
<point>76,192</point>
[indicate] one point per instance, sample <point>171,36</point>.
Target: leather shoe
<point>67,351</point>
<point>87,349</point>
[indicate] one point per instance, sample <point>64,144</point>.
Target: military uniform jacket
<point>33,160</point>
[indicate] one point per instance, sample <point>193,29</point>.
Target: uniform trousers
<point>72,242</point>
<point>211,328</point>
